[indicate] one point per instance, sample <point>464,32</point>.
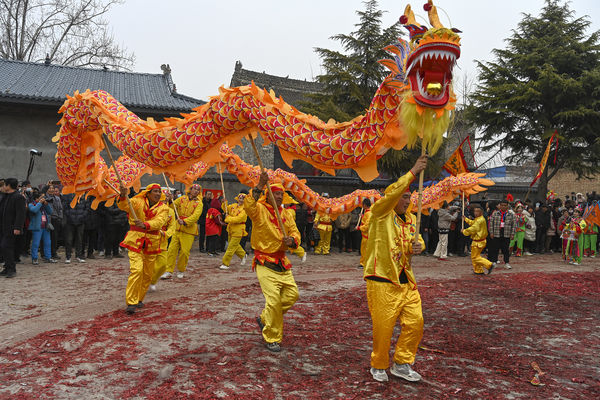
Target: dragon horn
<point>410,15</point>
<point>434,20</point>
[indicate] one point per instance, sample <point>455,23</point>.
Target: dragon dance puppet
<point>414,101</point>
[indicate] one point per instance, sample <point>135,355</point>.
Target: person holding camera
<point>39,223</point>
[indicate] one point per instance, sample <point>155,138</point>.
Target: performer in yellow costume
<point>189,208</point>
<point>324,225</point>
<point>167,231</point>
<point>391,288</point>
<point>478,232</point>
<point>273,268</point>
<point>236,229</point>
<point>143,240</point>
<point>364,231</point>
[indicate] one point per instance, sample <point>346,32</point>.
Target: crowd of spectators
<point>52,220</point>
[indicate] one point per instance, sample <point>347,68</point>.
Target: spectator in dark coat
<point>542,223</point>
<point>115,228</point>
<point>74,226</point>
<point>57,218</point>
<point>12,219</point>
<point>90,231</point>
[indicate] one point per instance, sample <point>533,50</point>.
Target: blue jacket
<point>35,215</point>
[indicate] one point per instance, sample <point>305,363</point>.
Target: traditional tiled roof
<point>293,91</point>
<point>40,83</point>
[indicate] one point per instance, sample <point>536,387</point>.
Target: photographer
<point>39,220</point>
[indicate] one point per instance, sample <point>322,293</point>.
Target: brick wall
<point>565,182</point>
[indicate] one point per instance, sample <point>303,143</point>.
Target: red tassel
<point>556,150</point>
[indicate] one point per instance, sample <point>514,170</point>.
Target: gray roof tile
<point>36,82</point>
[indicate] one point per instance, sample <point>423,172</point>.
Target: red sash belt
<point>136,229</point>
<point>324,223</point>
<point>480,240</point>
<point>274,258</point>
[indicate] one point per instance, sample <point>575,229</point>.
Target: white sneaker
<point>404,371</point>
<point>243,262</point>
<point>152,288</point>
<point>68,261</point>
<point>507,266</point>
<point>81,260</point>
<point>166,275</point>
<point>180,275</point>
<point>379,374</point>
<point>303,258</point>
<point>101,253</point>
<point>527,254</point>
<point>223,266</point>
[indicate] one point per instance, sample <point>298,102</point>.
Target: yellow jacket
<point>236,220</point>
<point>477,230</point>
<point>266,236</point>
<point>149,240</point>
<point>189,211</point>
<point>389,248</point>
<point>168,229</point>
<point>323,222</point>
<point>364,223</point>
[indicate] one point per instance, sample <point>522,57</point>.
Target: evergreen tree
<point>352,77</point>
<point>546,79</point>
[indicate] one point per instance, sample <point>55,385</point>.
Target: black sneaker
<point>274,347</point>
<point>489,271</point>
<point>4,272</point>
<point>260,324</point>
<point>131,309</point>
<point>11,274</point>
<point>140,305</point>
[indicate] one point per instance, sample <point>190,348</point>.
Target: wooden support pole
<point>270,193</point>
<point>112,162</point>
<point>169,188</point>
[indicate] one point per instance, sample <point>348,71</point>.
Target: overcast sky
<point>201,40</point>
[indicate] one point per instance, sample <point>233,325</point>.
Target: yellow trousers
<point>299,251</point>
<point>479,263</point>
<point>233,248</point>
<point>141,268</point>
<point>324,242</point>
<point>179,241</point>
<point>387,304</point>
<point>160,266</point>
<point>281,292</point>
<point>363,251</point>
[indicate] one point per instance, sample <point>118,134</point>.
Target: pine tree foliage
<point>546,79</point>
<point>352,77</point>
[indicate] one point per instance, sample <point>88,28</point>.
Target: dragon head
<point>422,69</point>
<point>426,62</point>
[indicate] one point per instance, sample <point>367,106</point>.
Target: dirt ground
<point>64,333</point>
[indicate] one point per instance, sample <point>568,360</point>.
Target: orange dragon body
<point>414,101</point>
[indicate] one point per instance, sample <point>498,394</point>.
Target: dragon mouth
<point>430,73</point>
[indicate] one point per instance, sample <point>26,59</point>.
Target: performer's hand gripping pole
<point>222,185</point>
<point>262,168</point>
<point>112,162</point>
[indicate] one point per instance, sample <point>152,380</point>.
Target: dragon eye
<point>455,30</point>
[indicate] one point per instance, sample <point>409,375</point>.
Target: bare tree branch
<point>71,32</point>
